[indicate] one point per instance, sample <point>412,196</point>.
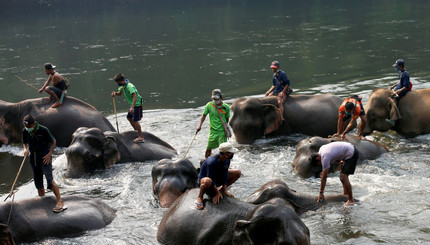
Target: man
<point>345,154</point>
<point>280,86</point>
<point>219,114</point>
<point>134,99</point>
<point>399,90</point>
<point>39,144</point>
<point>215,175</point>
<point>58,85</point>
<point>351,107</point>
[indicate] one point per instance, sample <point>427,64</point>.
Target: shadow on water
<point>9,166</point>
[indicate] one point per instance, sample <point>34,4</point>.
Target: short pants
<point>215,139</point>
<point>57,91</point>
<point>40,169</point>
<point>350,164</point>
<point>137,115</point>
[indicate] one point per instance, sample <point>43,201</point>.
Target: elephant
<point>33,219</point>
<point>368,150</point>
<point>6,237</point>
<point>172,178</point>
<point>301,202</point>
<point>314,115</point>
<point>61,121</point>
<point>93,149</point>
<point>413,107</point>
<point>231,222</point>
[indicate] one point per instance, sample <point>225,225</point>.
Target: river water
<point>176,53</point>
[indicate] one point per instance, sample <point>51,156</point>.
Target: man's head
<point>227,149</point>
<point>315,159</point>
<point>275,66</point>
<point>29,122</point>
<point>119,79</point>
<point>49,68</point>
<point>217,96</point>
<point>349,106</point>
<point>399,64</point>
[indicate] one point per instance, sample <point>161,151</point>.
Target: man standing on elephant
<point>344,153</point>
<point>219,114</point>
<point>134,99</point>
<point>215,173</point>
<point>280,86</point>
<point>39,144</point>
<point>58,85</point>
<point>351,108</point>
<point>399,89</point>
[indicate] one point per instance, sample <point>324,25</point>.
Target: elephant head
<point>304,151</point>
<point>254,118</point>
<point>273,222</point>
<point>10,123</point>
<point>90,150</point>
<point>377,110</point>
<point>172,178</point>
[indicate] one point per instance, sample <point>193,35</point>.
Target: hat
<point>216,94</point>
<point>49,66</point>
<point>29,119</point>
<point>227,147</point>
<point>399,62</point>
<point>275,64</point>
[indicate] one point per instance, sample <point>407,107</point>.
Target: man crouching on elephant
<point>214,173</point>
<point>39,143</point>
<point>344,153</point>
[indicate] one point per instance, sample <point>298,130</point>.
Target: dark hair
<point>314,158</point>
<point>349,106</point>
<point>119,77</point>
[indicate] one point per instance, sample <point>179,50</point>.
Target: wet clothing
<point>356,112</point>
<point>216,170</point>
<point>129,89</point>
<point>337,151</point>
<point>404,82</point>
<point>280,80</point>
<point>39,142</point>
<point>217,133</point>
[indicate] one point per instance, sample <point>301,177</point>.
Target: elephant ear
<point>111,153</point>
<point>241,233</point>
<point>272,118</point>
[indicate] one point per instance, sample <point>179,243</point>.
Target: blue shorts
<point>137,115</point>
<point>56,90</point>
<point>40,169</point>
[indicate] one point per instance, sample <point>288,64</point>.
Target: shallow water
<point>176,53</point>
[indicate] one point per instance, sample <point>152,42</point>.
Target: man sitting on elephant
<point>58,85</point>
<point>281,86</point>
<point>399,89</point>
<point>351,108</point>
<point>39,143</point>
<point>342,152</point>
<point>214,173</point>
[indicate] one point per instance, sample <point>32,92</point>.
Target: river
<point>176,52</point>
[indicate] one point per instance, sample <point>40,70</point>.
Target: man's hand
<point>47,158</point>
<point>198,128</point>
<point>320,197</point>
<point>217,198</point>
<point>131,110</point>
<point>26,153</point>
<point>113,94</point>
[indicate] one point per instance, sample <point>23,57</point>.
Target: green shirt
<point>129,89</point>
<point>214,120</point>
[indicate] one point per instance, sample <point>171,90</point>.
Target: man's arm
<point>46,84</point>
<point>270,90</point>
<point>349,127</point>
<point>202,119</point>
<point>133,104</point>
<point>324,174</point>
<point>48,157</point>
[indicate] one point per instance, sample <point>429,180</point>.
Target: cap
<point>29,119</point>
<point>216,94</point>
<point>227,147</point>
<point>399,62</point>
<point>49,66</point>
<point>275,64</point>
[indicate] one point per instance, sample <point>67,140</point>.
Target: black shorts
<point>350,164</point>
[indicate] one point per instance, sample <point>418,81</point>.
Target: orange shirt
<point>356,111</point>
